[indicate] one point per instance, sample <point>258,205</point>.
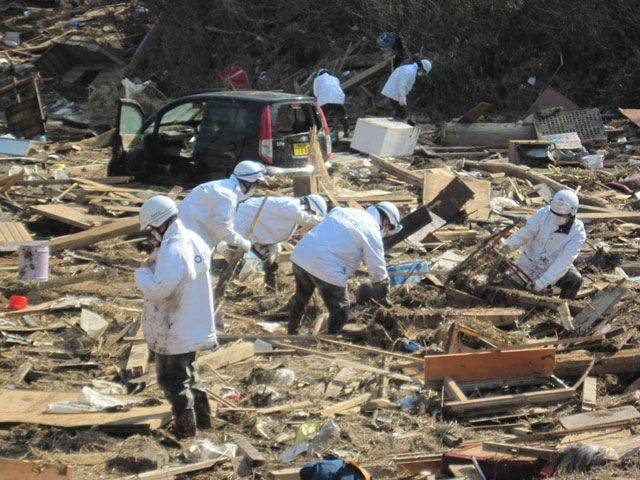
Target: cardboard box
<point>384,137</point>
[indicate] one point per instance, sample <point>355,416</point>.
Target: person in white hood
<point>401,82</point>
<point>178,316</point>
<point>209,209</point>
<point>551,241</point>
<point>330,96</point>
<point>278,221</point>
<point>331,252</point>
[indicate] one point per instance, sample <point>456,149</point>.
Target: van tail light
<point>266,136</point>
<point>327,136</point>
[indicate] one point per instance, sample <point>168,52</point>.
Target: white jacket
<point>277,222</point>
<point>209,209</point>
<point>177,316</point>
<point>547,254</point>
<point>335,248</point>
<point>400,83</point>
<point>327,89</point>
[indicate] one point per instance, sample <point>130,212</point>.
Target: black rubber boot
<point>185,423</point>
<point>203,410</point>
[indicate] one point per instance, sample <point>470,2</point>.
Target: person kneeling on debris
<point>329,254</point>
<point>210,208</point>
<point>278,221</point>
<point>177,317</point>
<point>551,241</point>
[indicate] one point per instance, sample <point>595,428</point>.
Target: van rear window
<point>294,118</point>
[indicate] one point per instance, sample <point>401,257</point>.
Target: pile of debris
<point>461,378</point>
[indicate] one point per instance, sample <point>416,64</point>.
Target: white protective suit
<point>335,248</point>
<point>177,315</point>
<point>277,222</point>
<point>400,83</point>
<point>547,254</point>
<point>327,89</point>
<point>209,209</point>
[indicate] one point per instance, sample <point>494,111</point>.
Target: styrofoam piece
<point>384,137</point>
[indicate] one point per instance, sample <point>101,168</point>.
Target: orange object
<point>16,302</point>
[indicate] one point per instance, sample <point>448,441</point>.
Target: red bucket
<point>16,302</point>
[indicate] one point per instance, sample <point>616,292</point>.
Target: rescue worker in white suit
<point>551,241</point>
<point>209,209</point>
<point>278,221</point>
<point>177,317</point>
<point>330,96</point>
<point>401,82</point>
<point>331,252</point>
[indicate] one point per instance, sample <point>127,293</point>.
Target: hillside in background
<point>482,51</point>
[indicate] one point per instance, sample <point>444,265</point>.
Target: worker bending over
<point>278,221</point>
<point>210,208</point>
<point>329,254</point>
<point>551,241</point>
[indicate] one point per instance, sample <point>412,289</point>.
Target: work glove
<point>506,249</point>
<point>538,285</point>
<point>403,101</point>
<point>226,250</point>
<point>273,251</point>
<point>381,293</point>
<point>245,244</point>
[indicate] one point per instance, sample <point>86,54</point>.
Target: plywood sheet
<point>490,365</point>
<point>12,235</point>
<point>599,417</point>
<point>72,214</point>
<point>28,406</point>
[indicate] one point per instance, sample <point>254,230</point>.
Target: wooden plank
<point>599,417</point>
<point>467,471</point>
<point>346,405</point>
<point>478,208</point>
<point>625,361</point>
<point>452,388</point>
<point>72,214</point>
<point>490,365</point>
<point>445,205</point>
<point>245,446</point>
<point>118,228</point>
<point>13,468</point>
<point>12,235</point>
<point>169,473</point>
<point>500,317</point>
<point>138,361</point>
<point>476,112</point>
<point>506,402</point>
<point>600,304</point>
<point>29,406</point>
<point>516,450</point>
<point>564,317</point>
<point>343,377</point>
<point>589,394</point>
<point>232,354</point>
<point>366,74</point>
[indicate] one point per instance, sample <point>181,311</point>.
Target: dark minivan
<point>203,136</point>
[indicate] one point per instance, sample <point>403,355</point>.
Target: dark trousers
<point>179,379</point>
<point>569,283</point>
<point>334,297</point>
<point>337,110</point>
<point>400,112</point>
<point>269,266</point>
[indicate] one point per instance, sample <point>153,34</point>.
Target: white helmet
<point>156,211</point>
<point>426,64</point>
<point>392,213</point>
<point>565,202</point>
<point>249,171</point>
<point>317,203</point>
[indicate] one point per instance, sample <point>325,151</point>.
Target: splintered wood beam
<point>589,394</point>
<point>599,305</point>
<point>625,361</point>
<point>331,410</point>
<point>506,402</point>
<point>245,446</point>
<point>366,74</point>
<point>445,205</point>
<point>118,228</point>
<point>490,365</point>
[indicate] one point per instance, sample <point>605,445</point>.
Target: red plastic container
<point>16,302</point>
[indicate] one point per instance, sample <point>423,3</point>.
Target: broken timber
<point>446,205</point>
<point>599,305</point>
<point>118,228</point>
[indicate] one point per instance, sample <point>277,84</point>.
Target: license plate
<point>301,148</point>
